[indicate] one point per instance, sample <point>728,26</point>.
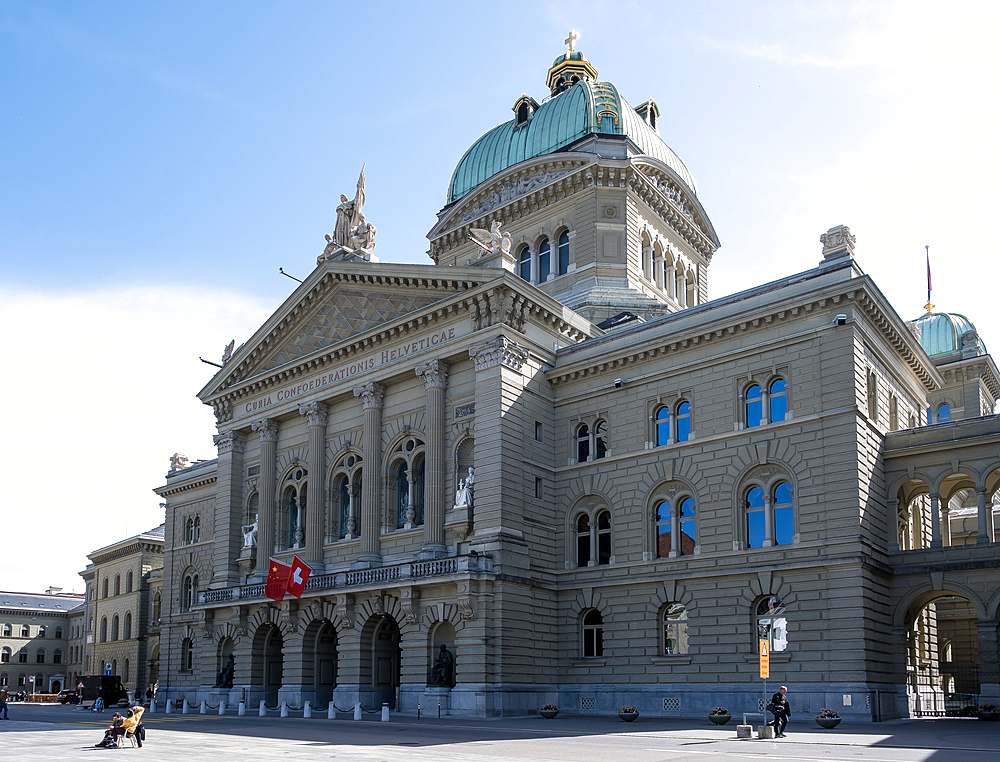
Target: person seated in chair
<point>109,738</point>
<point>133,717</point>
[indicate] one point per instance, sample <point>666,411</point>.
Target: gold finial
<point>929,307</point>
<point>573,37</point>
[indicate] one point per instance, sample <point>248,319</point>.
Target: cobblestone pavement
<point>65,733</point>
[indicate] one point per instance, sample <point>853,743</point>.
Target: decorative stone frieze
<point>229,441</point>
<point>509,191</point>
<point>837,242</point>
<point>498,351</point>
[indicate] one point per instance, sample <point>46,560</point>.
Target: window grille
<point>671,704</point>
<point>588,703</point>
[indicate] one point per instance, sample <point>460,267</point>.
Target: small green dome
<point>584,109</point>
<point>572,55</point>
<point>941,332</point>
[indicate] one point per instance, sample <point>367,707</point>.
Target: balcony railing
<point>345,580</point>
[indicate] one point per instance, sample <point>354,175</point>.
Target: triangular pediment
<point>340,302</point>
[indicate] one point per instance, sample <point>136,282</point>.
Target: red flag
<point>277,580</point>
<point>298,577</point>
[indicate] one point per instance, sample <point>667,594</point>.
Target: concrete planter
<point>988,716</point>
<point>828,722</point>
<point>548,714</point>
<point>629,716</point>
<point>720,719</point>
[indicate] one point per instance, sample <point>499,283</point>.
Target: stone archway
<point>380,660</point>
<point>319,660</point>
<point>267,662</point>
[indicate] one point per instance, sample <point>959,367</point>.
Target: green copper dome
<point>586,108</point>
<point>941,332</point>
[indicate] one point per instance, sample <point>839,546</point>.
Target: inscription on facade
<point>464,411</point>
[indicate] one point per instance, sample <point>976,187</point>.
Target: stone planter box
<point>628,716</point>
<point>828,722</point>
<point>720,719</point>
<point>988,716</point>
<point>548,714</point>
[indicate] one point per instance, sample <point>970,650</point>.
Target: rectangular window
<point>538,489</point>
<point>538,431</point>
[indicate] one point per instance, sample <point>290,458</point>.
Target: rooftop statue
<point>349,215</point>
<point>491,241</point>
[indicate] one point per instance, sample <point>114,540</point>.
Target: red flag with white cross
<point>298,577</point>
<point>278,575</point>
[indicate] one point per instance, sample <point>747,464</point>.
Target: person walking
<point>781,710</point>
<point>3,701</point>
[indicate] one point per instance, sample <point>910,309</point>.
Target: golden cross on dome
<point>573,37</point>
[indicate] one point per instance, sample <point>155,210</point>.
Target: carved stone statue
<point>470,481</point>
<point>491,241</point>
<point>250,533</point>
<point>363,235</point>
<point>226,675</point>
<point>463,498</point>
<point>178,462</point>
<point>227,353</point>
<point>349,215</point>
<point>443,671</point>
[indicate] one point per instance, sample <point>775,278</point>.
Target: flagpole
<point>929,307</point>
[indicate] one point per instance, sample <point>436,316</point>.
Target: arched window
<point>57,656</point>
<point>544,260</point>
<point>344,506</point>
<point>683,421</point>
<point>59,633</point>
<point>893,414</point>
<point>662,423</point>
<point>22,656</point>
<point>593,634</point>
<point>784,519</point>
<point>582,443</point>
<point>754,406</point>
<point>930,416</point>
<point>114,627</point>
<point>522,113</point>
<point>118,584</point>
<point>104,629</point>
<point>157,606</point>
<point>601,439</point>
<point>128,625</point>
<point>105,587</point>
<point>189,592</point>
<point>25,631</point>
<point>687,525</point>
<point>402,495</point>
<point>777,400</point>
<point>22,679</point>
<point>41,631</point>
<point>409,482</point>
<point>604,538</point>
<point>664,524</point>
<point>7,631</point>
<point>675,629</point>
<point>583,541</point>
<point>755,517</point>
<point>772,625</point>
<point>872,396</point>
<point>564,253</point>
<point>187,655</point>
<point>944,413</point>
<point>292,507</point>
<point>5,653</point>
<point>40,656</point>
<point>125,672</point>
<point>114,666</point>
<point>524,264</point>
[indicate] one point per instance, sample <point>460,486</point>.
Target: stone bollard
<point>330,710</point>
<point>744,731</point>
<point>203,709</point>
<point>765,731</point>
<point>222,706</point>
<point>385,712</point>
<point>152,706</point>
<point>284,708</point>
<point>184,706</point>
<point>241,709</point>
<point>263,711</point>
<point>307,710</point>
<point>170,706</point>
<point>357,710</point>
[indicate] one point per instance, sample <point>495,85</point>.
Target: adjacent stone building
<point>36,650</point>
<point>551,454</point>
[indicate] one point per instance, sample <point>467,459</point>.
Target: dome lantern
<point>569,68</point>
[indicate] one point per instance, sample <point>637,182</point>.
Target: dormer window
<point>649,112</point>
<point>524,109</point>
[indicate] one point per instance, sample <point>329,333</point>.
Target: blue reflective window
<point>778,401</point>
<point>402,495</point>
<point>345,506</point>
<point>784,518</point>
<point>930,417</point>
<point>582,444</point>
<point>543,261</point>
<point>683,422</point>
<point>524,264</point>
<point>944,413</point>
<point>687,527</point>
<point>418,494</point>
<point>755,408</point>
<point>663,529</point>
<point>755,517</point>
<point>563,253</point>
<point>662,425</point>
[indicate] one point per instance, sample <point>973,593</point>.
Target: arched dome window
<point>563,253</point>
<point>544,260</point>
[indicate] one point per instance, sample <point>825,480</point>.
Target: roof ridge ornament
<point>573,37</point>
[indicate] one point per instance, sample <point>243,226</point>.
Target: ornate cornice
<point>267,429</point>
<point>316,412</point>
<point>434,373</point>
<point>371,394</point>
<point>498,351</point>
<point>229,441</point>
<point>187,486</point>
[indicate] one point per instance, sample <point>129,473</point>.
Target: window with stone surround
<point>59,633</point>
<point>684,518</point>
<point>674,629</point>
<point>944,413</point>
<point>563,252</point>
<point>105,588</point>
<point>753,406</point>
<point>582,443</point>
<point>192,530</point>
<point>114,628</point>
<point>187,655</point>
<point>5,654</point>
<point>104,629</point>
<point>777,400</point>
<point>593,537</point>
<point>22,656</point>
<point>7,631</point>
<point>40,656</point>
<point>872,395</point>
<point>592,634</point>
<point>118,584</point>
<point>291,509</point>
<point>25,631</point>
<point>57,656</point>
<point>189,591</point>
<point>772,624</point>
<point>128,625</point>
<point>41,631</point>
<point>407,498</point>
<point>544,260</point>
<point>524,264</point>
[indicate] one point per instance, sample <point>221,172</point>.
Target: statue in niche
<point>443,671</point>
<point>349,215</point>
<point>250,533</point>
<point>227,674</point>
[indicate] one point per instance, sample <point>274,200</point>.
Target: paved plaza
<point>62,733</point>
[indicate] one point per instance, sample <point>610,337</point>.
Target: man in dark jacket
<point>781,710</point>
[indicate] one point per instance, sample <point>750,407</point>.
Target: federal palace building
<point>550,452</point>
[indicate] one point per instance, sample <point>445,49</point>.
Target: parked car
<point>69,697</point>
<point>961,704</point>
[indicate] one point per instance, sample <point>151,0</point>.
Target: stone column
<point>935,521</point>
<point>658,272</point>
<point>983,538</point>
<point>768,520</point>
<point>669,283</point>
<point>895,520</point>
<point>675,528</point>
<point>228,540</point>
<point>435,375</point>
<point>371,395</point>
<point>315,412</point>
<point>989,663</point>
<point>946,525</point>
<point>267,430</point>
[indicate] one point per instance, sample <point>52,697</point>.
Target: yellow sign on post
<point>765,660</point>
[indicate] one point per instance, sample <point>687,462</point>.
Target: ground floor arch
<point>381,657</point>
<point>320,660</point>
<point>267,662</point>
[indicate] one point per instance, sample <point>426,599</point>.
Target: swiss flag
<point>277,580</point>
<point>298,577</point>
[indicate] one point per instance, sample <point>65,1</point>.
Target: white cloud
<point>99,391</point>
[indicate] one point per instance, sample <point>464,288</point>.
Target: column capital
<point>498,351</point>
<point>371,395</point>
<point>316,412</point>
<point>229,441</point>
<point>434,373</point>
<point>267,429</point>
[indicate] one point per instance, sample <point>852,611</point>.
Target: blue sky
<point>160,161</point>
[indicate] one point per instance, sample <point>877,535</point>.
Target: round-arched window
<point>772,624</point>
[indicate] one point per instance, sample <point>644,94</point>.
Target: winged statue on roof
<point>349,215</point>
<point>491,241</point>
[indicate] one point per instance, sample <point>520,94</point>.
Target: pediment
<point>337,303</point>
